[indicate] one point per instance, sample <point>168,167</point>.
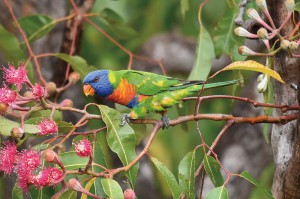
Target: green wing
<point>152,84</point>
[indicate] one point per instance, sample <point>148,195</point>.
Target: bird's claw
<point>125,118</point>
<point>166,121</point>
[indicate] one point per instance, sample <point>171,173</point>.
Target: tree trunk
<point>285,138</point>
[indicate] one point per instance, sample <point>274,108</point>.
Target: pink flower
<point>46,177</point>
<point>55,175</point>
<point>43,178</point>
<point>47,127</point>
<point>8,156</point>
<point>28,161</point>
<point>15,76</point>
<point>83,148</point>
<point>7,95</point>
<point>39,91</point>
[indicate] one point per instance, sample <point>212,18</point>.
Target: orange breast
<point>123,94</point>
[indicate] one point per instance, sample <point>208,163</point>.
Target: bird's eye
<point>96,79</point>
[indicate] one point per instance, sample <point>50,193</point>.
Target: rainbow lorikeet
<point>143,92</point>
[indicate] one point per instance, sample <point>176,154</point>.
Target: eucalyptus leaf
<point>112,188</point>
<point>78,64</point>
<point>205,56</point>
<point>36,26</point>
<point>6,126</point>
<point>100,159</point>
<point>219,193</point>
<point>120,139</point>
<point>170,178</point>
<point>69,194</point>
<point>17,193</point>
<point>186,175</point>
<point>72,161</point>
<point>64,127</point>
<point>247,176</point>
<point>212,168</point>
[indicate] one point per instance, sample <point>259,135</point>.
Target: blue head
<point>98,82</point>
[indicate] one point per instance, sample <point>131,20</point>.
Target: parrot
<point>142,92</point>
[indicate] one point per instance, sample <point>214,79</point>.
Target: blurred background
<point>166,31</point>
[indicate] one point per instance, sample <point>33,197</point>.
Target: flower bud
<point>290,5</point>
<point>261,4</point>
<point>260,78</point>
<point>253,14</point>
<point>242,32</point>
<point>263,84</point>
<point>28,94</point>
<point>74,77</point>
<point>285,44</point>
<point>3,107</point>
<point>50,156</point>
<point>244,50</point>
<point>75,184</point>
<point>17,132</point>
<point>129,194</point>
<point>262,33</point>
<point>67,103</point>
<point>293,45</point>
<point>51,87</point>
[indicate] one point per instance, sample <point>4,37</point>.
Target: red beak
<point>88,90</point>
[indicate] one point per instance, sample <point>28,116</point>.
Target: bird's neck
<point>123,94</point>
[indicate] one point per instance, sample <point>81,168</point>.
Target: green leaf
<point>6,126</point>
<point>39,115</point>
<point>217,193</point>
<point>186,175</point>
<point>17,193</point>
<point>88,186</point>
<point>246,175</point>
<point>253,66</point>
<point>64,127</point>
<point>111,16</point>
<point>72,161</point>
<point>120,139</point>
<point>112,188</point>
<point>212,168</point>
<point>46,192</point>
<point>171,180</point>
<point>205,55</point>
<point>297,7</point>
<point>117,24</point>
<point>225,41</point>
<point>68,194</point>
<point>9,46</point>
<point>78,64</point>
<point>99,158</point>
<point>36,26</point>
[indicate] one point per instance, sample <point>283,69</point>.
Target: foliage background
<point>173,24</point>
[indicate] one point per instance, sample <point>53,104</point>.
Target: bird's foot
<point>125,118</point>
<point>166,121</point>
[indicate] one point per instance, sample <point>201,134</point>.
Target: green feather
<point>163,91</point>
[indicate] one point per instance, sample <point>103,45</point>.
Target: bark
<point>285,138</point>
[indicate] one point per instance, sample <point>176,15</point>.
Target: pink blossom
<point>47,127</point>
<point>7,95</point>
<point>15,76</point>
<point>55,175</point>
<point>39,91</point>
<point>83,148</point>
<point>43,178</point>
<point>28,161</point>
<point>8,156</point>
